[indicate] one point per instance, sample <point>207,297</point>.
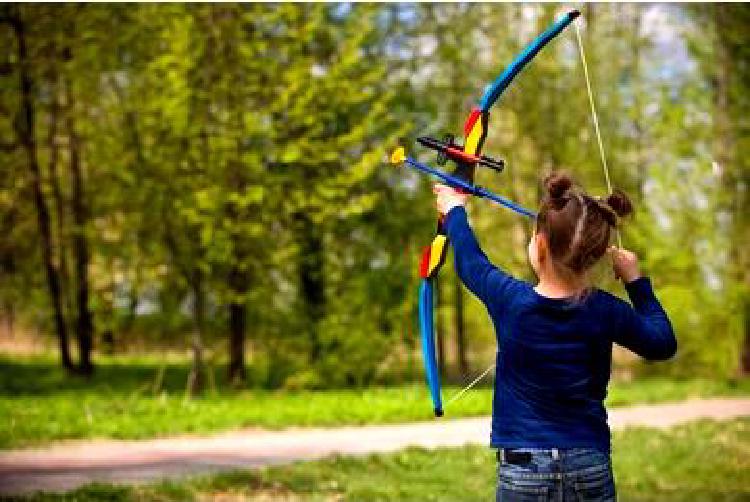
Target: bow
<point>466,158</point>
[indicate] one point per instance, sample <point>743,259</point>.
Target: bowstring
<point>595,119</point>
<point>607,179</point>
<point>463,391</point>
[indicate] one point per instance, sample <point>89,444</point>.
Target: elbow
<point>465,277</point>
<point>473,273</point>
<point>664,353</point>
<point>666,349</point>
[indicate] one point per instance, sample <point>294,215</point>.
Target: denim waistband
<point>555,459</point>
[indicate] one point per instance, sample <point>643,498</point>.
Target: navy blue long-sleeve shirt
<point>554,356</point>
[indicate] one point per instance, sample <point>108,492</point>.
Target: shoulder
<point>500,279</point>
<point>506,290</point>
<point>519,291</point>
<point>607,301</point>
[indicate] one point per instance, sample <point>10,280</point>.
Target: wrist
<point>444,209</point>
<point>630,278</point>
<point>452,212</point>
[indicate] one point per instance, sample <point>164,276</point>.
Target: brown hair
<point>577,226</point>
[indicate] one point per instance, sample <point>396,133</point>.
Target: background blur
<point>200,230</point>
<point>212,179</point>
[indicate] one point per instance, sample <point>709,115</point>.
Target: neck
<point>553,286</point>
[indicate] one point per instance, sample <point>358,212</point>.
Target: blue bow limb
<point>429,357</point>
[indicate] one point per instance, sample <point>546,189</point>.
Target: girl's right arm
<point>645,327</point>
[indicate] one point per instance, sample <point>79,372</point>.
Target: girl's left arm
<point>486,281</point>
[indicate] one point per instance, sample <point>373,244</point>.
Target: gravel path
<point>68,465</point>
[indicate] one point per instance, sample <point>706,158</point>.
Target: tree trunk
<point>312,281</point>
<point>439,327</point>
<point>8,269</point>
<point>197,377</point>
<point>26,134</point>
<point>238,282</point>
<point>60,205</point>
<point>239,279</point>
<point>59,201</point>
<point>725,156</point>
<point>237,325</point>
<point>463,363</point>
<point>10,314</point>
<point>84,318</point>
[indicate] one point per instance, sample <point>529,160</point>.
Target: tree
<point>26,134</point>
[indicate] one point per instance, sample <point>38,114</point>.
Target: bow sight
<point>449,150</point>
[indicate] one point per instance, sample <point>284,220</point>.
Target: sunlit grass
<point>701,461</point>
<point>127,399</point>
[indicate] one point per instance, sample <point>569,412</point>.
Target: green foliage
<point>233,158</point>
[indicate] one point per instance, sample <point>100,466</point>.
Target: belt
<point>510,456</point>
<point>515,457</point>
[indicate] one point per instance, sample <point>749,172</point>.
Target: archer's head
<point>573,229</point>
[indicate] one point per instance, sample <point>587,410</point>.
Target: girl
<point>549,423</point>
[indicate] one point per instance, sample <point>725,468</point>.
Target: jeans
<point>574,474</point>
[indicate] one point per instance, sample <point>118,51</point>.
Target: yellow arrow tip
<point>398,156</point>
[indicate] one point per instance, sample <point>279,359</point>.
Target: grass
<point>127,399</point>
<point>699,461</point>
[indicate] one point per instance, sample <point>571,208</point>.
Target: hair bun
<point>620,203</point>
<point>557,185</point>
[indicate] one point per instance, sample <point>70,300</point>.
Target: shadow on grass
<point>43,377</point>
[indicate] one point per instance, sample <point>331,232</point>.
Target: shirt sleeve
<point>490,284</point>
<point>646,329</point>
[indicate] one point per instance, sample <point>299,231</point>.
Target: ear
<point>542,247</point>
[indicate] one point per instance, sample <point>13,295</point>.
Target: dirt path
<point>68,465</point>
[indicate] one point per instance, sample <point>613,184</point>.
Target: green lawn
<point>125,399</point>
<point>701,461</point>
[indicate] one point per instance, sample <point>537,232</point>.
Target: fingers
<point>447,197</point>
<point>614,251</point>
<point>439,188</point>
